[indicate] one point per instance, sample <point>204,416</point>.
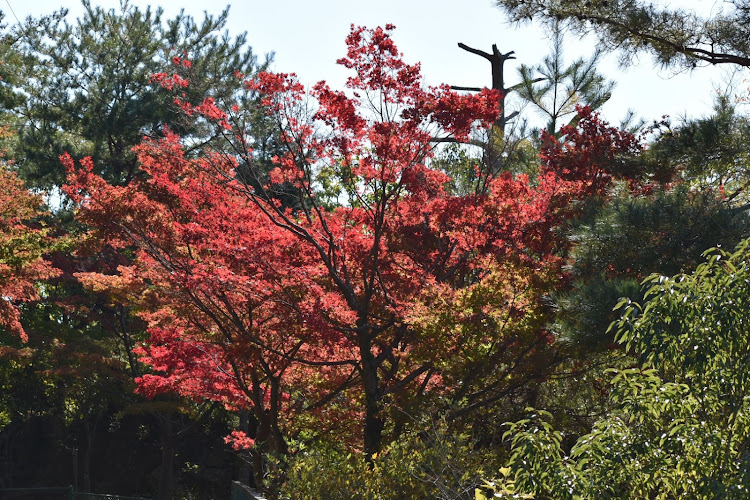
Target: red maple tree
<point>373,287</point>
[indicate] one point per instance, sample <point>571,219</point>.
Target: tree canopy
<point>345,292</point>
<point>676,37</point>
<point>679,424</point>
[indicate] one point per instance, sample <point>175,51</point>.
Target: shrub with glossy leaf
<point>681,427</point>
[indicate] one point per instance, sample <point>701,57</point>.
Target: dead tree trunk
<point>497,62</point>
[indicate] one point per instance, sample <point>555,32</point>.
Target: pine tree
<point>558,89</point>
<point>676,37</point>
<point>87,86</point>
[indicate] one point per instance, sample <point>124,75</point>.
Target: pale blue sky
<point>308,36</point>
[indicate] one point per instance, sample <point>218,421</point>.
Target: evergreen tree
<point>676,37</point>
<point>558,89</point>
<point>629,238</point>
<point>87,86</point>
<point>710,152</point>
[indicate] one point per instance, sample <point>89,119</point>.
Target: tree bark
<point>166,469</point>
<point>497,62</point>
<point>89,430</point>
<point>374,422</point>
<point>243,471</point>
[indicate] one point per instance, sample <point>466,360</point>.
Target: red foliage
<point>312,310</point>
<point>22,246</point>
<point>592,154</point>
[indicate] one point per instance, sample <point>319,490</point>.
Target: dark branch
<point>467,89</point>
<point>475,51</point>
<point>453,140</point>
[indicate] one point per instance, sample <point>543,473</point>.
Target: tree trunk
<point>243,470</point>
<point>89,431</point>
<point>166,471</point>
<point>269,438</point>
<point>497,61</point>
<point>374,422</point>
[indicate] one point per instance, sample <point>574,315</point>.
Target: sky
<point>307,37</point>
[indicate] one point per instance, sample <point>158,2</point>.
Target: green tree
<point>710,152</point>
<point>558,89</point>
<point>681,423</point>
<point>87,85</point>
<point>627,239</point>
<point>664,230</point>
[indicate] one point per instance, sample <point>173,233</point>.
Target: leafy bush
<point>430,464</point>
<point>681,425</point>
